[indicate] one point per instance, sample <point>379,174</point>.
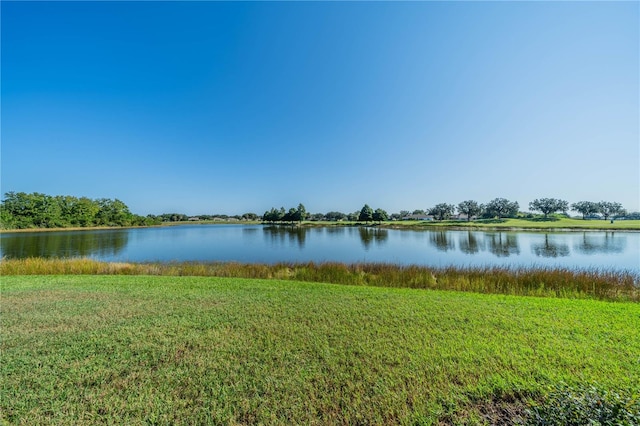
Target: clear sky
<point>214,107</point>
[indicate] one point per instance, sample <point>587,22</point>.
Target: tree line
<point>280,215</point>
<point>499,208</point>
<point>20,210</point>
<point>503,208</point>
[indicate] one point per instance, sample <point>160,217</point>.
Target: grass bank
<point>541,224</point>
<point>608,285</point>
<point>534,224</point>
<point>205,350</point>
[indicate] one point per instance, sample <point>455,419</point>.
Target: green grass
<point>536,223</point>
<point>533,224</point>
<point>203,350</point>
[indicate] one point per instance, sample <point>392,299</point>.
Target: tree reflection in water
<point>279,233</point>
<point>503,244</point>
<point>549,248</point>
<point>369,235</point>
<point>469,243</point>
<point>597,243</point>
<point>65,244</point>
<point>441,241</point>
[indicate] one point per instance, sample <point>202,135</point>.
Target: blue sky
<point>214,107</point>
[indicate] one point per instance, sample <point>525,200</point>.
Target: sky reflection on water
<point>257,243</point>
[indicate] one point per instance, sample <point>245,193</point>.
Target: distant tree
<point>248,216</point>
<point>442,211</point>
<point>316,217</point>
<point>366,214</point>
<point>586,208</point>
<point>7,221</point>
<point>422,212</point>
<point>380,215</point>
<point>274,215</point>
<point>113,213</point>
<point>291,215</point>
<point>22,210</point>
<point>300,213</point>
<point>173,217</point>
<point>84,211</point>
<point>334,216</point>
<point>548,205</point>
<point>404,213</point>
<point>501,207</point>
<point>353,216</point>
<point>470,208</point>
<point>609,209</point>
<point>395,216</point>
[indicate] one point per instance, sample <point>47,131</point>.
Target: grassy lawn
<point>534,224</point>
<point>203,350</point>
<point>538,223</point>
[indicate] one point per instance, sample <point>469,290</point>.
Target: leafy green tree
<point>7,221</point>
<point>22,210</point>
<point>84,212</point>
<point>174,217</point>
<point>113,213</point>
<point>247,216</point>
<point>548,205</point>
<point>274,215</point>
<point>501,207</point>
<point>300,213</point>
<point>290,216</point>
<point>470,208</point>
<point>442,211</point>
<point>586,208</point>
<point>32,210</point>
<point>609,209</point>
<point>380,215</point>
<point>366,214</point>
<point>335,216</point>
<point>419,212</point>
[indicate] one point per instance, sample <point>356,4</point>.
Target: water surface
<point>270,244</point>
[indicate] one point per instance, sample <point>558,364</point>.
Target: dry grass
<point>599,284</point>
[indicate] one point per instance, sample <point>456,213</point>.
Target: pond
<point>271,244</point>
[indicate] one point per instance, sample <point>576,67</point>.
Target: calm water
<point>269,244</point>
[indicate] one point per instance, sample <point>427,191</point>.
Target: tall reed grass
<point>602,284</point>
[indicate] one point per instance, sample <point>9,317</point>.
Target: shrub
<point>585,406</point>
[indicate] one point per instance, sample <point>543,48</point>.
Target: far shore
<point>551,225</point>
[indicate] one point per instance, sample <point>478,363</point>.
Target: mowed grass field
<point>527,224</point>
<point>204,350</point>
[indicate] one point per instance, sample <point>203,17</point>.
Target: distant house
<point>194,219</point>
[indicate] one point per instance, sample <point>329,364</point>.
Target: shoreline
<point>415,226</point>
<point>557,282</point>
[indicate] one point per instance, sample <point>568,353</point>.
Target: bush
<point>585,406</point>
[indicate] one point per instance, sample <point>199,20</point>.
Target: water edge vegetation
<point>600,284</point>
